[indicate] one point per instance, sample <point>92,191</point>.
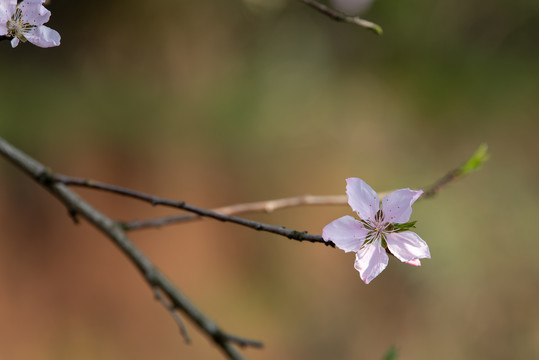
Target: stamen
<point>378,229</point>
<point>16,27</point>
<point>367,224</point>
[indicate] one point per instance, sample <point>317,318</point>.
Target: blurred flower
<point>352,7</point>
<point>24,22</point>
<point>379,228</point>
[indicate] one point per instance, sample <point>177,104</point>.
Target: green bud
<point>476,160</point>
<point>391,354</point>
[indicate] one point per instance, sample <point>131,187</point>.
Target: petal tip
<point>414,262</point>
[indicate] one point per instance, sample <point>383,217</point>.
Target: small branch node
<point>241,342</point>
<point>73,214</point>
<point>45,177</point>
<point>150,276</point>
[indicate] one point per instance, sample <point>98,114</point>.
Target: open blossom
<point>381,226</point>
<point>24,22</point>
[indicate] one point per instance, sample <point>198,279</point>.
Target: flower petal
<point>4,18</point>
<point>407,246</point>
<point>14,42</point>
<point>414,262</point>
<point>347,233</point>
<point>43,36</point>
<point>362,198</point>
<point>397,206</point>
<point>7,8</point>
<point>371,261</point>
<point>34,13</point>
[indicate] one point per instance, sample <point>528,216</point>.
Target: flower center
<point>377,229</point>
<point>16,27</point>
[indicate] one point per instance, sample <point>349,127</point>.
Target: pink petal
<point>414,262</point>
<point>7,8</point>
<point>346,232</point>
<point>362,198</point>
<point>397,206</point>
<point>371,261</point>
<point>34,13</point>
<point>43,36</point>
<point>407,246</point>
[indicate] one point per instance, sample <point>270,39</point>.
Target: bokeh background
<point>222,102</point>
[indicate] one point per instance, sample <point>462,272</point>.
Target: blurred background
<point>222,102</point>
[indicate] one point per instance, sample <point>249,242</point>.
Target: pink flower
<point>381,228</point>
<point>24,22</point>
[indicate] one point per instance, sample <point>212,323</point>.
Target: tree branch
<point>224,213</point>
<point>156,200</point>
<point>259,206</point>
<point>338,16</point>
<point>113,230</point>
<point>58,186</point>
<point>474,162</point>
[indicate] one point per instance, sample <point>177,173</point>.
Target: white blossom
<point>381,228</point>
<point>24,22</point>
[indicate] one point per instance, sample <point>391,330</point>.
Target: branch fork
<point>164,291</point>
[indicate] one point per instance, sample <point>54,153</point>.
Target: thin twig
<point>433,189</point>
<point>114,231</point>
<point>259,206</point>
<point>338,16</point>
<point>272,205</point>
<point>224,213</point>
<point>173,311</point>
<point>156,200</point>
